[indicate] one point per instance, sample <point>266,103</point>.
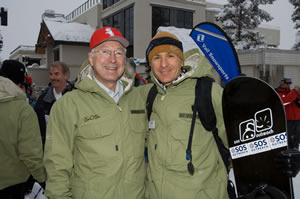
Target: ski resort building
<point>66,37</point>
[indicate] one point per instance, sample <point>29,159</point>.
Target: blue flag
<point>218,48</point>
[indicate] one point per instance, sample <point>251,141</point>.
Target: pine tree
<point>239,20</point>
<point>296,20</point>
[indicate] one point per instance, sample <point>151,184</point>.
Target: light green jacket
<point>20,140</point>
<point>171,121</point>
<point>95,147</point>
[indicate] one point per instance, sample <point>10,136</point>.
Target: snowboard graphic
<point>255,122</point>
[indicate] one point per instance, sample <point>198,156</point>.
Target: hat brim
<point>285,82</point>
<point>121,40</point>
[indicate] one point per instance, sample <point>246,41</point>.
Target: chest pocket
<point>95,146</point>
<point>179,141</point>
<point>138,126</point>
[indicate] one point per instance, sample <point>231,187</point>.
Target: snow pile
<point>61,30</point>
<point>182,34</point>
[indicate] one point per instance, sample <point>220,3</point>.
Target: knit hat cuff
<point>164,42</point>
<point>166,48</point>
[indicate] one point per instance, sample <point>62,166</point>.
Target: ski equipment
<point>255,122</point>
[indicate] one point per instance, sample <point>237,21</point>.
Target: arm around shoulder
<point>58,157</point>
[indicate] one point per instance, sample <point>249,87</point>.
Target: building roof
<point>56,29</point>
<point>61,30</point>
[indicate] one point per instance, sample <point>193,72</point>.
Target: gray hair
<point>64,67</point>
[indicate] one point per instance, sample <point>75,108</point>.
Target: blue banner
<point>218,48</point>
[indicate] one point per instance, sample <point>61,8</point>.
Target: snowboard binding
<point>265,192</point>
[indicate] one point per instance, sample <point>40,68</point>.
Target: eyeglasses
<point>108,53</point>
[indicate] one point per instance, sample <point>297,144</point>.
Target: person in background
<point>169,177</point>
<point>131,67</point>
<point>96,132</point>
<point>29,91</point>
<point>288,161</point>
<point>20,143</point>
<point>291,101</point>
<point>59,74</point>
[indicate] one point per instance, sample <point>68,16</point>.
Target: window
<point>160,17</point>
<point>128,26</point>
<point>108,3</point>
<point>184,19</point>
<point>166,16</point>
<point>117,20</point>
<point>123,21</point>
<point>56,54</point>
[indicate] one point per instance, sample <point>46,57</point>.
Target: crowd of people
<point>87,140</point>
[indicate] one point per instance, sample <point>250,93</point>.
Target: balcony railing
<point>81,9</point>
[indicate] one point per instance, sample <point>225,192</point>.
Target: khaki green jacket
<point>95,147</point>
<point>21,150</point>
<point>168,138</point>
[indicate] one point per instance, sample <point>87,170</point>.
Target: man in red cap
<point>291,102</point>
<point>96,132</point>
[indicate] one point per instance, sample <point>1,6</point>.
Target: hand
<point>288,162</point>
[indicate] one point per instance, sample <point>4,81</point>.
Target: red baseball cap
<point>107,34</point>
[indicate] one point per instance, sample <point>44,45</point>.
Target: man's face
<point>166,67</point>
<point>108,61</point>
<point>285,85</point>
<point>57,78</point>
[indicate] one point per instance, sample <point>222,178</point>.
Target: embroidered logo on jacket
<point>140,111</point>
<point>91,117</point>
<point>185,115</point>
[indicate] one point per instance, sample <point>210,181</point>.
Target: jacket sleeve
<point>58,157</point>
<point>290,97</point>
<point>30,144</point>
<point>41,117</point>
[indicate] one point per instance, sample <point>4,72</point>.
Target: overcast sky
<point>24,18</point>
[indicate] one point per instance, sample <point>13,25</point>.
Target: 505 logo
<point>259,146</point>
<point>278,140</point>
<point>239,151</point>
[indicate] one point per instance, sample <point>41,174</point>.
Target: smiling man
<point>171,174</point>
<point>59,74</point>
<point>96,133</point>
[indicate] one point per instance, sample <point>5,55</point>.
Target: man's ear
<point>91,60</point>
<point>182,63</point>
<point>67,77</point>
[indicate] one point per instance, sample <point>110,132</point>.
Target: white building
<point>138,20</point>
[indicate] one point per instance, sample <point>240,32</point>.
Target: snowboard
<point>255,123</point>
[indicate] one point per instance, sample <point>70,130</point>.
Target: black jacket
<point>44,105</point>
